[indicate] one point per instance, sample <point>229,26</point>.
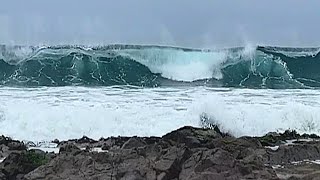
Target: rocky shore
<point>186,153</point>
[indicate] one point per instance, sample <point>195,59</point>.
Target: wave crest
<point>252,67</point>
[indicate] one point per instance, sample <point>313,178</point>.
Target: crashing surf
<point>153,66</point>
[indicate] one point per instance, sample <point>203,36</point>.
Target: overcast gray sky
<point>191,23</point>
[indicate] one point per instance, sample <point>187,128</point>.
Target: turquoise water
<point>156,66</point>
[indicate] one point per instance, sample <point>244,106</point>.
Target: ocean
<point>64,92</point>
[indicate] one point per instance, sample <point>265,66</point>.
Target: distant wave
<point>152,66</point>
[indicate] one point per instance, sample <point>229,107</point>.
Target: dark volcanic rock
<point>69,148</point>
<point>2,176</point>
<point>273,138</point>
<point>292,153</point>
<point>17,161</point>
<point>187,153</point>
<point>83,142</point>
<point>18,164</point>
<point>12,144</point>
<point>221,163</point>
<point>111,142</point>
<point>301,170</point>
<point>133,142</point>
<point>191,137</point>
<point>8,145</point>
<point>16,145</point>
<point>85,139</point>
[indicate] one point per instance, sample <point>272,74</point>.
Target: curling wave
<point>152,66</point>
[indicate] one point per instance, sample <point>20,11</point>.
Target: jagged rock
<point>3,140</point>
<point>172,157</point>
<point>64,166</point>
<point>292,153</point>
<point>275,139</point>
<point>112,142</point>
<point>7,145</point>
<point>133,142</point>
<point>222,165</point>
<point>191,137</point>
<point>56,141</point>
<point>271,139</point>
<point>83,142</point>
<point>186,153</point>
<point>2,176</point>
<point>105,147</point>
<point>18,164</point>
<point>69,148</point>
<point>4,151</point>
<point>151,140</point>
<point>85,139</point>
<point>85,165</point>
<point>169,165</point>
<point>16,145</point>
<point>301,171</point>
<point>12,144</point>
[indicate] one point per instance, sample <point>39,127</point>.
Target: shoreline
<point>186,153</point>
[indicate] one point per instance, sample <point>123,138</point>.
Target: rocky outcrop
<point>7,145</point>
<point>186,153</point>
<point>16,161</point>
<point>273,138</point>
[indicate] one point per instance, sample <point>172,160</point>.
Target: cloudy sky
<point>191,23</point>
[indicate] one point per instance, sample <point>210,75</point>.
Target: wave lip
<point>152,66</point>
<point>179,65</point>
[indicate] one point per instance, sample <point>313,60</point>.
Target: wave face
<point>152,66</point>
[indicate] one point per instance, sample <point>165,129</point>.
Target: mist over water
<point>185,23</point>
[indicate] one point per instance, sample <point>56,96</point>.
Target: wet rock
<point>186,153</point>
<point>83,142</point>
<point>289,134</point>
<point>85,139</point>
<point>291,153</point>
<point>91,165</point>
<point>221,164</point>
<point>69,148</point>
<point>4,151</point>
<point>7,145</point>
<point>133,142</point>
<point>112,142</point>
<point>64,166</point>
<point>312,136</point>
<point>152,140</point>
<point>18,164</point>
<point>169,164</point>
<point>271,139</point>
<point>191,137</point>
<point>4,140</point>
<point>56,141</point>
<point>105,147</point>
<point>2,176</point>
<point>16,145</point>
<point>275,139</point>
<point>300,170</point>
<point>12,144</point>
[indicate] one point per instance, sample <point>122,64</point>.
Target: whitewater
<point>66,92</point>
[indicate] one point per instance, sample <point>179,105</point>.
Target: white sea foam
<point>256,112</point>
<point>180,65</point>
<point>189,65</point>
<point>15,54</point>
<point>70,112</point>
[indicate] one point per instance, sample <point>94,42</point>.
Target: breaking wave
<point>152,66</point>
